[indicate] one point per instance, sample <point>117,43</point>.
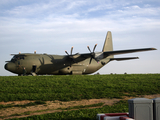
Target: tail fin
<point>108,46</point>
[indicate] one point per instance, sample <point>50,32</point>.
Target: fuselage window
<point>15,58</point>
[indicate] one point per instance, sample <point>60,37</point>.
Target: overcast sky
<point>51,26</point>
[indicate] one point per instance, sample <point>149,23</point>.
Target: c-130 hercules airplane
<point>73,64</point>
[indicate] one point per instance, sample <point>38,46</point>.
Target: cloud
<point>80,10</point>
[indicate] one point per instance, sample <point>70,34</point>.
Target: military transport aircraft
<point>45,64</point>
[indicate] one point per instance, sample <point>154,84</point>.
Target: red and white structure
<point>125,118</point>
<point>113,116</point>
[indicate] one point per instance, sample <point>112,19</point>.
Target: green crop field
<point>81,114</point>
<point>67,88</point>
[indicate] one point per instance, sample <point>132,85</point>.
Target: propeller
<point>71,56</point>
<point>92,54</point>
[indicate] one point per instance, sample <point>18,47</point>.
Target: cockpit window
<point>17,57</point>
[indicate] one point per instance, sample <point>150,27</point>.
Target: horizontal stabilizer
<point>120,59</point>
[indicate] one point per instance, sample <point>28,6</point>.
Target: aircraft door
<point>34,67</point>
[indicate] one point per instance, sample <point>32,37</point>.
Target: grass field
<point>67,88</point>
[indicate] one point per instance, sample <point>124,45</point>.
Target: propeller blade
<point>90,60</point>
<point>66,52</point>
<point>88,48</point>
<point>70,63</point>
<point>43,60</point>
<point>94,47</point>
<point>71,50</point>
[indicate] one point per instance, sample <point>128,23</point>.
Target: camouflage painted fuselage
<point>43,64</point>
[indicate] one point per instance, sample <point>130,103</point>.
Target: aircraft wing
<point>102,55</point>
<point>108,53</point>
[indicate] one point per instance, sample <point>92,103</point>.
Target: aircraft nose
<point>10,66</point>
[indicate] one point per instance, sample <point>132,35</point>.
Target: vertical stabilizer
<point>108,46</point>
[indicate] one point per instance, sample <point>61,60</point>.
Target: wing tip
<point>153,49</point>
